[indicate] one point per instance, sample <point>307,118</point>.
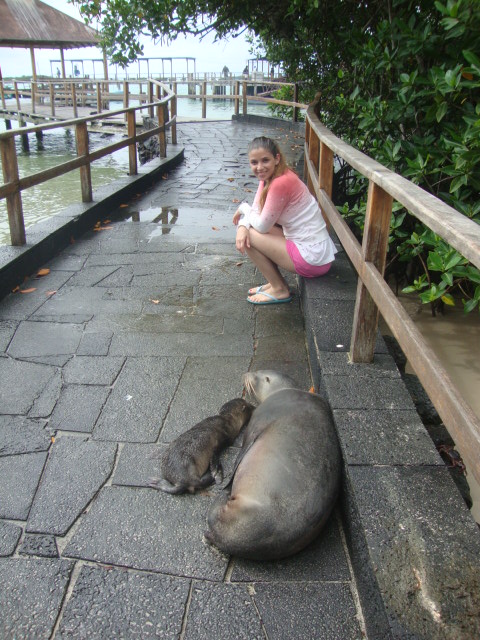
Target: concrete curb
<point>47,238</point>
<point>414,545</point>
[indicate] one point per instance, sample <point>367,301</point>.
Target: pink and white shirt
<point>290,204</point>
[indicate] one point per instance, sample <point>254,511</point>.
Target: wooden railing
<point>47,96</point>
<point>373,293</point>
<point>165,109</point>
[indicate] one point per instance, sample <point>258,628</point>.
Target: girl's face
<point>263,163</point>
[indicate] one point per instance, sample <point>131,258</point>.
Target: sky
<point>210,56</point>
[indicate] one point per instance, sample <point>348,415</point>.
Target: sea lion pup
<point>191,461</point>
<point>286,477</point>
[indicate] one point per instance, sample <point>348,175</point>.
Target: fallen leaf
<point>311,390</point>
<point>235,200</point>
<point>104,228</point>
<point>42,272</point>
<point>50,293</point>
<point>53,438</point>
<point>215,228</point>
<point>165,177</point>
<point>123,205</point>
<point>239,264</point>
<point>249,190</point>
<point>106,221</point>
<point>155,301</point>
<point>28,290</point>
<point>17,288</point>
<point>230,179</point>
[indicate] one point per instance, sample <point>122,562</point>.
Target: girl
<point>284,227</point>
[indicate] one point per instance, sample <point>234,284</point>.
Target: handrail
<point>14,185</point>
<point>373,293</point>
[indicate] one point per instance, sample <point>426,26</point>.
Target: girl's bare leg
<point>268,251</point>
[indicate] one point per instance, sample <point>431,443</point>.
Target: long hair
<point>262,142</point>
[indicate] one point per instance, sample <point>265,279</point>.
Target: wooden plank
<point>162,138</point>
<point>8,155</point>
<point>204,100</point>
<point>81,136</point>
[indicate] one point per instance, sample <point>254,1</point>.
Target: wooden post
<point>81,136</point>
<point>32,84</point>
<point>204,100</point>
<point>162,138</point>
<point>150,98</point>
<point>2,94</point>
<point>14,201</point>
<point>17,96</point>
<point>125,97</point>
<point>99,97</point>
<point>132,147</point>
<point>173,113</point>
<point>74,100</point>
<point>295,99</point>
<point>374,250</point>
<point>244,91</point>
<point>237,97</point>
<point>52,99</point>
<point>314,156</point>
<point>325,174</point>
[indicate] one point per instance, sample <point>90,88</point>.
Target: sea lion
<point>286,477</point>
<point>191,461</point>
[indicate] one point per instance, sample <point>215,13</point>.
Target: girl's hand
<point>236,216</point>
<point>242,241</point>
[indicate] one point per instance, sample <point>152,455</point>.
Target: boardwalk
<point>139,330</point>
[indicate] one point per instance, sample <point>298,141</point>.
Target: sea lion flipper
<point>164,485</point>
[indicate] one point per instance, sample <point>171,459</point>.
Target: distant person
<point>245,72</point>
<point>284,227</point>
<point>225,71</point>
<point>76,71</point>
<point>58,72</point>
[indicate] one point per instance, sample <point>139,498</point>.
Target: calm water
<point>45,200</point>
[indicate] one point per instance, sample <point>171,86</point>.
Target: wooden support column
<point>173,113</point>
<point>374,250</point>
<point>244,91</point>
<point>325,174</point>
<point>132,147</point>
<point>81,136</point>
<point>295,99</point>
<point>237,97</point>
<point>74,100</point>
<point>52,99</point>
<point>99,97</point>
<point>162,137</point>
<point>150,99</point>
<point>204,100</point>
<point>14,201</point>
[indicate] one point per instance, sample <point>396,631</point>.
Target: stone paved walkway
<point>140,330</point>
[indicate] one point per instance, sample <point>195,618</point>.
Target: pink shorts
<point>302,267</point>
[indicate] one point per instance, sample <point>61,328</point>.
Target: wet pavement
<point>139,330</point>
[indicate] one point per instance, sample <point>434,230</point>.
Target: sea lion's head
<point>261,384</point>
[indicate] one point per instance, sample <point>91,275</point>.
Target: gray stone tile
<point>85,302</point>
<point>92,370</point>
<point>39,545</point>
<point>206,384</point>
<point>46,400</point>
<point>149,530</point>
<point>20,475</point>
<point>95,343</point>
<point>149,344</point>
<point>17,399</point>
<point>291,348</point>
<point>116,603</point>
<point>425,548</point>
<point>324,611</point>
<point>31,595</point>
<point>9,536</point>
<point>222,611</point>
<point>78,408</point>
<point>44,339</point>
<point>349,392</point>
<point>383,365</point>
<point>340,283</point>
<point>137,406</point>
<point>7,329</point>
<point>389,437</point>
<point>323,560</point>
<point>137,464</point>
<point>75,472</point>
<point>21,435</point>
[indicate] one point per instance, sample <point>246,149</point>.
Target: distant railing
<point>165,108</point>
<point>373,293</point>
<point>47,96</point>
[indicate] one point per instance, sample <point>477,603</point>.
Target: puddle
<point>184,222</point>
